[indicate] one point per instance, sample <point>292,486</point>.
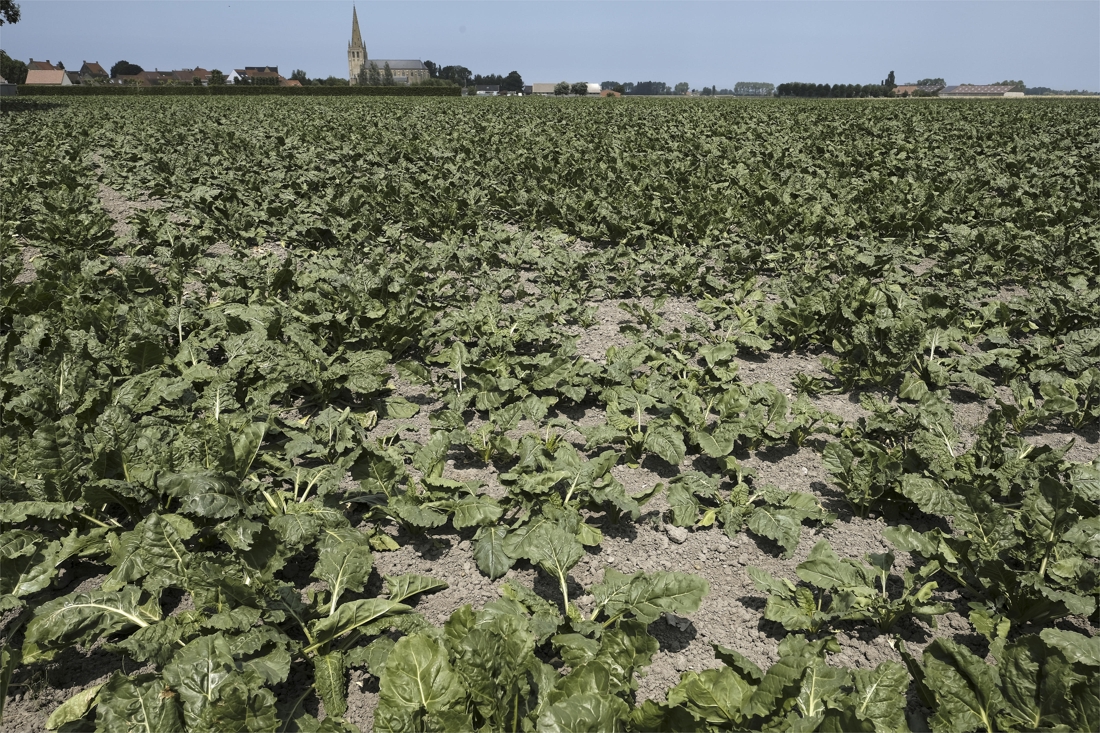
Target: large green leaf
<point>329,679</point>
<point>584,713</point>
<point>352,615</point>
<point>81,618</point>
<point>645,596</point>
<point>489,551</point>
<point>825,569</point>
<point>781,525</point>
<point>344,562</point>
<point>138,704</point>
<point>403,587</point>
<point>419,677</point>
<point>715,695</point>
<point>75,708</point>
<point>967,689</point>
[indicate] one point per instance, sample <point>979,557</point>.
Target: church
<point>405,71</point>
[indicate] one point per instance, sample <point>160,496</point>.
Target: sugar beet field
<point>549,415</point>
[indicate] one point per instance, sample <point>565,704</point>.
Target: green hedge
<point>80,90</point>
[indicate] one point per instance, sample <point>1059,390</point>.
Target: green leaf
<point>399,408</point>
<point>328,678</point>
<point>930,496</point>
<point>878,696</point>
<point>81,618</point>
<point>1037,683</point>
<point>489,552</point>
<point>344,562</point>
<point>75,708</point>
<point>966,688</point>
<point>646,596</point>
<point>476,511</point>
<point>204,493</point>
<point>667,443</point>
<point>715,695</point>
<point>821,686</point>
<point>406,586</point>
<point>1077,647</point>
<point>352,615</point>
<point>584,713</point>
<point>780,525</point>
<point>138,704</point>
<point>825,569</point>
<point>419,677</point>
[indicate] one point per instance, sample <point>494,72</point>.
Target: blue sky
<point>1043,42</point>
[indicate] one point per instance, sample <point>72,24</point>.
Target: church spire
<point>356,38</point>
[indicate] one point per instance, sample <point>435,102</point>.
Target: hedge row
<point>235,90</point>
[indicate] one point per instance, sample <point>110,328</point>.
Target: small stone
<point>805,471</point>
<point>678,535</point>
<point>742,559</point>
<point>464,545</point>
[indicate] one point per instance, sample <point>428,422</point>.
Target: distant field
<point>537,414</point>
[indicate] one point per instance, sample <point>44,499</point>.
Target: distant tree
<point>681,88</point>
<point>125,68</point>
<point>196,81</point>
<point>11,69</point>
<point>373,77</point>
<point>487,80</point>
<point>938,81</point>
<point>300,76</point>
<point>60,65</point>
<point>651,87</point>
<point>628,87</point>
<point>217,78</point>
<point>387,76</point>
<point>609,85</point>
<point>458,74</point>
<point>753,89</point>
<point>579,88</point>
<point>433,69</point>
<point>889,82</point>
<point>9,13</point>
<point>1017,86</point>
<point>561,88</point>
<point>335,81</point>
<point>513,82</point>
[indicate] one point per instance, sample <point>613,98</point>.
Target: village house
<point>33,65</point>
<point>93,72</point>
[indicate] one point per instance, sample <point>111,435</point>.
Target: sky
<point>1051,43</point>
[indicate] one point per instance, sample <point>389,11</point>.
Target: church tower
<point>357,52</point>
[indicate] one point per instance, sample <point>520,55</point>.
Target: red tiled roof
<point>33,65</point>
<point>93,69</point>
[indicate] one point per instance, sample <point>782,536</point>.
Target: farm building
<point>979,90</point>
<point>55,77</point>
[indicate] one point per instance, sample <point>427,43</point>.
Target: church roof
<point>395,64</point>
